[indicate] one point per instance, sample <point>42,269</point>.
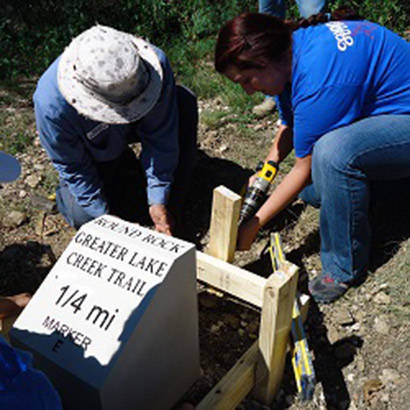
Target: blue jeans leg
<point>273,7</point>
<point>278,7</point>
<point>73,213</point>
<point>309,7</point>
<point>345,163</point>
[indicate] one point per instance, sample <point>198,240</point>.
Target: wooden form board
<point>235,385</point>
<point>226,207</point>
<point>231,279</point>
<point>261,367</point>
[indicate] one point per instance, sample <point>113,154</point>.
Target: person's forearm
<point>285,192</point>
<point>282,144</point>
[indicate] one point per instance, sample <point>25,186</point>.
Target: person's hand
<point>252,179</point>
<point>247,233</point>
<point>162,218</point>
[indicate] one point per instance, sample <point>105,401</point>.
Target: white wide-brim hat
<point>110,76</point>
<point>9,168</point>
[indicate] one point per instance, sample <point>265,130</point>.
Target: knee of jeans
<point>73,213</point>
<point>330,153</point>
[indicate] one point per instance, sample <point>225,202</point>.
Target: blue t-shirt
<point>343,71</point>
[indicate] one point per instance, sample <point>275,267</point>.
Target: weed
<point>50,180</point>
<point>212,119</point>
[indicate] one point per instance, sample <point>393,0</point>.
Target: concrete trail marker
<point>114,324</point>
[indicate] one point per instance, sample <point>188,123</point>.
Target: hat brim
<point>98,109</point>
<point>9,168</point>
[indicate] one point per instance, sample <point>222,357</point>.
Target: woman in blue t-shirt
<point>344,87</point>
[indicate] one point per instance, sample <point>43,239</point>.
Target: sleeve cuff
<point>158,194</point>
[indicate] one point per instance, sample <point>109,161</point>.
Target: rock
<point>214,328</point>
<point>343,317</point>
<point>252,327</point>
<point>39,225</point>
<point>382,298</point>
<point>355,327</point>
<point>390,376</point>
<point>360,364</point>
<point>33,180</point>
<point>381,326</point>
<point>223,148</point>
<point>231,320</point>
<point>352,406</point>
<point>38,167</point>
<point>350,377</point>
<point>370,388</point>
<point>22,194</point>
<point>43,203</point>
<point>332,335</point>
<point>385,397</point>
<point>360,315</point>
<point>14,219</point>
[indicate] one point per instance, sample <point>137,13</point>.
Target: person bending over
<point>347,119</point>
<point>106,90</point>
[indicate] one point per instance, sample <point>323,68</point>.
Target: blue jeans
<point>278,8</point>
<point>346,163</point>
<point>124,180</point>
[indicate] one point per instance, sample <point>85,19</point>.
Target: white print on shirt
<point>96,130</point>
<point>341,33</point>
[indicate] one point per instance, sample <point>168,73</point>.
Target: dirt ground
<point>360,344</point>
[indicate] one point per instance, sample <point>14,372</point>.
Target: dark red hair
<point>248,38</point>
<point>251,36</point>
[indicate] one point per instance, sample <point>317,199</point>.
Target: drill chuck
<point>256,193</point>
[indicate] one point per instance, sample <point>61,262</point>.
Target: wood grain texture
<point>226,206</point>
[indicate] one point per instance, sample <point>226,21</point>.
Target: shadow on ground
<point>210,172</point>
<point>24,266</point>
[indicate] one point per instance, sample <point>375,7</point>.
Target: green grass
<point>16,129</point>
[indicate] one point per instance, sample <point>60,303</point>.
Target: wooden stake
<point>226,206</point>
<point>276,320</point>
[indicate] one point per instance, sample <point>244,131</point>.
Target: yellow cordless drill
<point>256,193</point>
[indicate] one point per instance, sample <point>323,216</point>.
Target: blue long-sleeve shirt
<point>75,143</point>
